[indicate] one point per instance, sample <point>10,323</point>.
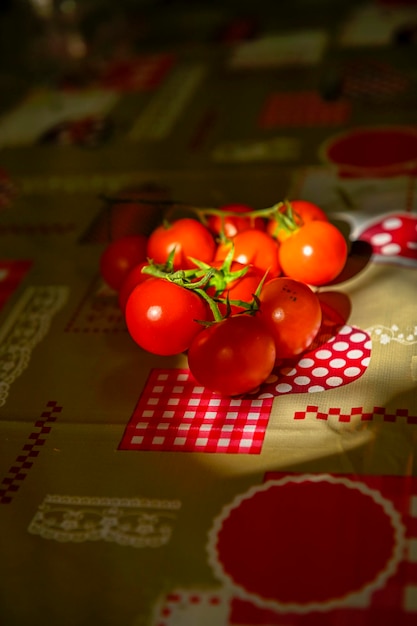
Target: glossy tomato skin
<point>315,254</point>
<point>161,316</point>
<point>232,357</point>
<point>292,313</point>
<point>187,236</point>
<point>133,278</point>
<point>253,247</point>
<point>303,212</point>
<point>120,256</point>
<point>308,211</point>
<point>231,225</point>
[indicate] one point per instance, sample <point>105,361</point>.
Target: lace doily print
<point>385,335</point>
<point>26,326</point>
<point>134,522</point>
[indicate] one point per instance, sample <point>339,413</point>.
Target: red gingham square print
<point>374,79</point>
<point>302,108</point>
<point>174,413</point>
<point>142,73</point>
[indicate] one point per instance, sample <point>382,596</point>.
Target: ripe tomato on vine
<point>252,247</point>
<point>315,253</point>
<point>163,317</point>
<point>292,313</point>
<point>234,298</point>
<point>300,212</point>
<point>187,237</point>
<point>131,280</point>
<point>120,256</point>
<point>233,356</point>
<point>230,219</point>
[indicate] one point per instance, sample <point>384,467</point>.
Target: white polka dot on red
<point>394,236</point>
<point>339,361</point>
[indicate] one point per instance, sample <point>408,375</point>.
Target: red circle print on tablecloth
<point>373,152</point>
<point>307,542</point>
<point>339,361</point>
<point>394,236</point>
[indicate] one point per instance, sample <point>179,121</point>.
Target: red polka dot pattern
<point>394,237</point>
<point>341,360</point>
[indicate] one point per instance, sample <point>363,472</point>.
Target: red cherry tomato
<point>253,247</point>
<point>120,256</point>
<point>232,357</point>
<point>133,278</point>
<point>292,313</point>
<point>161,316</point>
<point>303,211</point>
<point>315,254</point>
<point>187,236</point>
<point>231,225</point>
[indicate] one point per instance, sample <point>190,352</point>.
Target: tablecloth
<point>129,494</point>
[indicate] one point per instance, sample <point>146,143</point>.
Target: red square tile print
<point>302,108</point>
<point>174,413</point>
<point>138,74</point>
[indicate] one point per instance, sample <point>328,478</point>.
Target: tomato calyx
<point>281,213</point>
<point>285,219</point>
<point>191,280</point>
<point>204,278</point>
<point>223,275</point>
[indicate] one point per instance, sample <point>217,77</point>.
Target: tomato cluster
<point>232,287</point>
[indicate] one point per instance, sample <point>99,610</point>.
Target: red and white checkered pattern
<point>378,413</point>
<point>174,413</point>
<point>372,79</point>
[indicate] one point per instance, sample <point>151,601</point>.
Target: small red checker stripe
<point>21,466</point>
<point>192,607</point>
<point>174,413</point>
<point>398,415</point>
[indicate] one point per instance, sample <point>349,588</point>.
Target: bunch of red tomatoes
<point>232,287</point>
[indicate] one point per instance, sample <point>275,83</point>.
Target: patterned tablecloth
<point>129,494</point>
